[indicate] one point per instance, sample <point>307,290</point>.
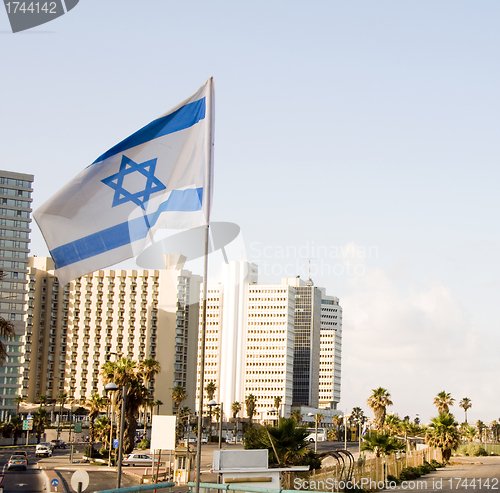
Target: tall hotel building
<point>265,340</point>
<point>106,315</point>
<point>15,227</point>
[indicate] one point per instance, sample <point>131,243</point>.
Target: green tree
<point>126,372</point>
<point>210,389</point>
<point>443,401</point>
<point>157,404</point>
<point>286,443</point>
<point>40,422</point>
<point>42,400</point>
<point>480,428</point>
<point>179,395</point>
<point>7,331</point>
<point>95,405</point>
<point>382,444</point>
<point>277,403</point>
<point>17,428</point>
<point>148,368</point>
<point>235,408</point>
<point>250,404</point>
<point>378,402</point>
<point>63,397</point>
<point>393,424</point>
<point>443,433</point>
<point>18,400</point>
<point>465,404</point>
<point>297,416</point>
<point>101,429</point>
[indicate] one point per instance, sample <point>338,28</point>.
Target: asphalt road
<point>29,481</point>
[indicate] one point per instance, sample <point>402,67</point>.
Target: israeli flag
<point>159,177</point>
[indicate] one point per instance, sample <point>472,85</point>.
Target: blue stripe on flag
<point>125,233</point>
<point>181,119</point>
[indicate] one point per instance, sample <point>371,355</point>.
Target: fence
<point>371,471</point>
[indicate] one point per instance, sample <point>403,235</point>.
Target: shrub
<point>393,479</point>
<point>472,450</point>
<point>430,466</point>
<point>409,473</point>
<point>436,464</point>
<point>143,444</point>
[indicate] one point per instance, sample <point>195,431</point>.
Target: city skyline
<point>356,142</point>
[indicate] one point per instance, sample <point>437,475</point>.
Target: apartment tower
<point>15,227</point>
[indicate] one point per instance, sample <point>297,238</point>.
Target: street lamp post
<point>120,442</point>
<point>345,431</point>
<point>111,387</point>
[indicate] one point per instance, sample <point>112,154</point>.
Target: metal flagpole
<point>209,150</point>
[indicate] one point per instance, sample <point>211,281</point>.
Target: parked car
<point>23,453</point>
<point>58,443</point>
<point>17,462</point>
<point>43,451</point>
<point>138,460</point>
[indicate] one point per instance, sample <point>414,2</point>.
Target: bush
<point>393,479</point>
<point>88,451</point>
<point>430,466</point>
<point>143,444</point>
<point>436,464</point>
<point>472,450</point>
<point>409,473</point>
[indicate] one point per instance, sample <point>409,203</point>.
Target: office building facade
<point>265,341</point>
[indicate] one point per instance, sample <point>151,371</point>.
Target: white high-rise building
<point>330,354</point>
<point>254,333</point>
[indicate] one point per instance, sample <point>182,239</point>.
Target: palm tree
<point>495,428</point>
<point>17,428</point>
<point>7,330</point>
<point>250,403</point>
<point>63,397</point>
<point>286,442</point>
<point>179,395</point>
<point>378,401</point>
<point>465,404</point>
<point>277,403</point>
<point>337,421</point>
<point>158,403</point>
<point>443,433</point>
<point>382,444</point>
<point>42,400</point>
<point>40,422</point>
<point>393,424</point>
<point>210,389</point>
<point>18,399</point>
<point>480,428</point>
<point>96,404</point>
<point>443,401</point>
<point>295,414</point>
<point>235,408</point>
<point>125,373</point>
<point>148,368</point>
<point>101,430</point>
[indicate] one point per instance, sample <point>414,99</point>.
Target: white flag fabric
<point>159,177</point>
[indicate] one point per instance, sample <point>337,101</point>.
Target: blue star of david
<point>128,167</point>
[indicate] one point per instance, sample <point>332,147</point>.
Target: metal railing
<point>231,487</point>
<point>141,487</point>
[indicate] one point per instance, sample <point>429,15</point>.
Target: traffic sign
<point>78,427</point>
<point>1,478</point>
<point>54,482</point>
<point>27,424</point>
<point>80,476</point>
<point>115,442</point>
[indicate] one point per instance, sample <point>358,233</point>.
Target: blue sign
<point>54,482</point>
<point>115,442</point>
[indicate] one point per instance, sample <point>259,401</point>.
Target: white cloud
<point>415,344</point>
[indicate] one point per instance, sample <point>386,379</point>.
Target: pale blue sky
<point>366,123</point>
